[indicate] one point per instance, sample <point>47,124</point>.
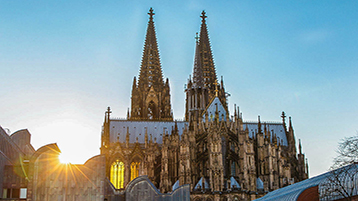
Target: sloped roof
<point>274,128</point>
<point>259,184</point>
<point>118,130</point>
<point>292,192</point>
<point>233,183</point>
<point>175,186</point>
<point>199,185</point>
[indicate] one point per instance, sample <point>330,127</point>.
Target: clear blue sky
<point>63,62</point>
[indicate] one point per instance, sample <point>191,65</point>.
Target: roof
<point>274,128</point>
<point>118,130</point>
<point>259,184</point>
<point>234,183</point>
<point>199,185</point>
<point>292,192</point>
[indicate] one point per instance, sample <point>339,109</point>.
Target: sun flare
<point>63,158</point>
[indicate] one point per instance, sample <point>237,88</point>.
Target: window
<point>233,170</point>
<point>23,192</point>
<point>4,193</point>
<point>117,174</point>
<point>151,110</point>
<point>15,193</point>
<point>134,170</point>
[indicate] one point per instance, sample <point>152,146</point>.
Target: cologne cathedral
<point>221,156</point>
<point>210,156</point>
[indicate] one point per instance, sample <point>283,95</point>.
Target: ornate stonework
<point>222,158</point>
<point>151,96</point>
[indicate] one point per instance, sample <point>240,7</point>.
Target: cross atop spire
<point>108,110</point>
<point>151,14</point>
<point>203,16</point>
<point>107,114</point>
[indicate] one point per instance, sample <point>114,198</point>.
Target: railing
<point>262,122</point>
<point>155,120</point>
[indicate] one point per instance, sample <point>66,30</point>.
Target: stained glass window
<point>134,170</point>
<point>117,174</point>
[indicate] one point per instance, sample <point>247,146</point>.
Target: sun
<point>69,134</point>
<point>64,159</point>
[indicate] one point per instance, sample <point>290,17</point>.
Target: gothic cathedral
<point>221,157</point>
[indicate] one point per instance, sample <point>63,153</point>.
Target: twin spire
<point>204,73</point>
<point>151,95</point>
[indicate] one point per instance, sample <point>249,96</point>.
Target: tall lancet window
<point>151,110</point>
<point>134,170</point>
<point>233,170</point>
<point>117,174</point>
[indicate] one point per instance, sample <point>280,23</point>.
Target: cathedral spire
<point>207,60</point>
<point>150,70</point>
<point>198,77</point>
<point>151,96</point>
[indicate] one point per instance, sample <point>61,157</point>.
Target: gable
<point>211,109</point>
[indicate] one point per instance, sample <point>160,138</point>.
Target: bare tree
<point>342,181</point>
<point>347,152</point>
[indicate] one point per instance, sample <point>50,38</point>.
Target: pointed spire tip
<point>203,16</point>
<point>151,13</point>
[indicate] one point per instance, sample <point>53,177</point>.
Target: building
<point>15,154</point>
<point>220,157</point>
<point>37,175</point>
<point>211,155</point>
<point>339,184</point>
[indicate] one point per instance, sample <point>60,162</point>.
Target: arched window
<point>117,174</point>
<point>151,110</point>
<point>134,170</point>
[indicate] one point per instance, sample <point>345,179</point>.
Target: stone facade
<point>221,157</point>
<point>151,96</point>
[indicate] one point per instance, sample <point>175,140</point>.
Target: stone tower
<point>203,86</point>
<point>150,96</point>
